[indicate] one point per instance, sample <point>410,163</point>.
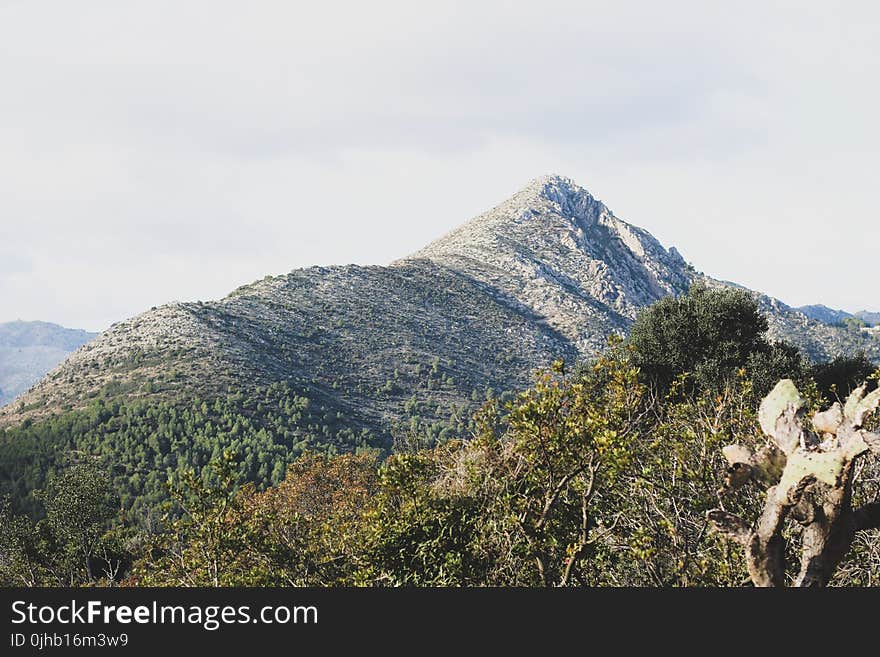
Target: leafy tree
<point>416,535</point>
<point>80,504</point>
<point>307,530</point>
<point>569,442</point>
<point>671,485</point>
<point>528,501</point>
<point>708,334</point>
<point>19,557</point>
<point>839,377</point>
<point>779,360</point>
<point>303,532</point>
<point>202,545</point>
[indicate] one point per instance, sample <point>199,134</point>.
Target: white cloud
<point>158,150</point>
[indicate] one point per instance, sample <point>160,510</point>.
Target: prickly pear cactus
<point>808,471</point>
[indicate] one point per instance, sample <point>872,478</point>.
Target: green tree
<point>529,501</point>
<point>708,334</point>
<point>201,545</point>
<point>303,532</point>
<point>779,360</point>
<point>307,530</point>
<point>671,485</point>
<point>418,535</point>
<point>80,505</point>
<point>20,560</point>
<point>839,377</point>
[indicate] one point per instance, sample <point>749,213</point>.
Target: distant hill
<point>832,317</point>
<point>28,350</point>
<point>871,318</point>
<point>824,314</point>
<point>344,357</point>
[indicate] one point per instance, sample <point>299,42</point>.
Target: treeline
<point>599,474</point>
<point>144,443</point>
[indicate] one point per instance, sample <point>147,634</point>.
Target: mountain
<point>556,252</point>
<point>871,318</point>
<point>832,317</point>
<point>551,272</point>
<point>335,357</point>
<point>28,350</point>
<point>824,314</point>
<point>560,253</point>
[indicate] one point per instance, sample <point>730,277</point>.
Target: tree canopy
<point>709,334</point>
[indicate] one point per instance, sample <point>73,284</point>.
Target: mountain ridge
<point>550,272</point>
<point>831,316</point>
<point>350,357</point>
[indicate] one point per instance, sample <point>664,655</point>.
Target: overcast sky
<point>153,151</point>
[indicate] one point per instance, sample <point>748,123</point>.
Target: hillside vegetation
<point>600,473</point>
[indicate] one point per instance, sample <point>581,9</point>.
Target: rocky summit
<point>556,251</point>
<point>551,272</point>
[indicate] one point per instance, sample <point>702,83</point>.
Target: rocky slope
<point>551,272</point>
<point>359,341</point>
<point>558,252</point>
<point>554,249</point>
<point>824,314</point>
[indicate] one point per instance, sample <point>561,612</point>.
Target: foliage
<point>299,533</point>
<point>708,334</point>
<point>526,502</point>
<point>414,536</point>
<point>79,505</point>
<point>598,474</point>
<point>19,556</point>
<point>74,544</point>
<point>307,530</point>
<point>674,482</point>
<point>839,377</point>
<point>201,545</point>
<point>143,443</point>
<point>779,360</point>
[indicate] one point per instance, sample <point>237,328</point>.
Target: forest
<point>694,452</point>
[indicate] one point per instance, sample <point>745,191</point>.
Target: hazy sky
<point>153,151</point>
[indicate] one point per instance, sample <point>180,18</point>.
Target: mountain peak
<point>550,272</point>
<point>555,183</point>
<point>555,250</point>
<point>545,206</point>
<point>571,200</point>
